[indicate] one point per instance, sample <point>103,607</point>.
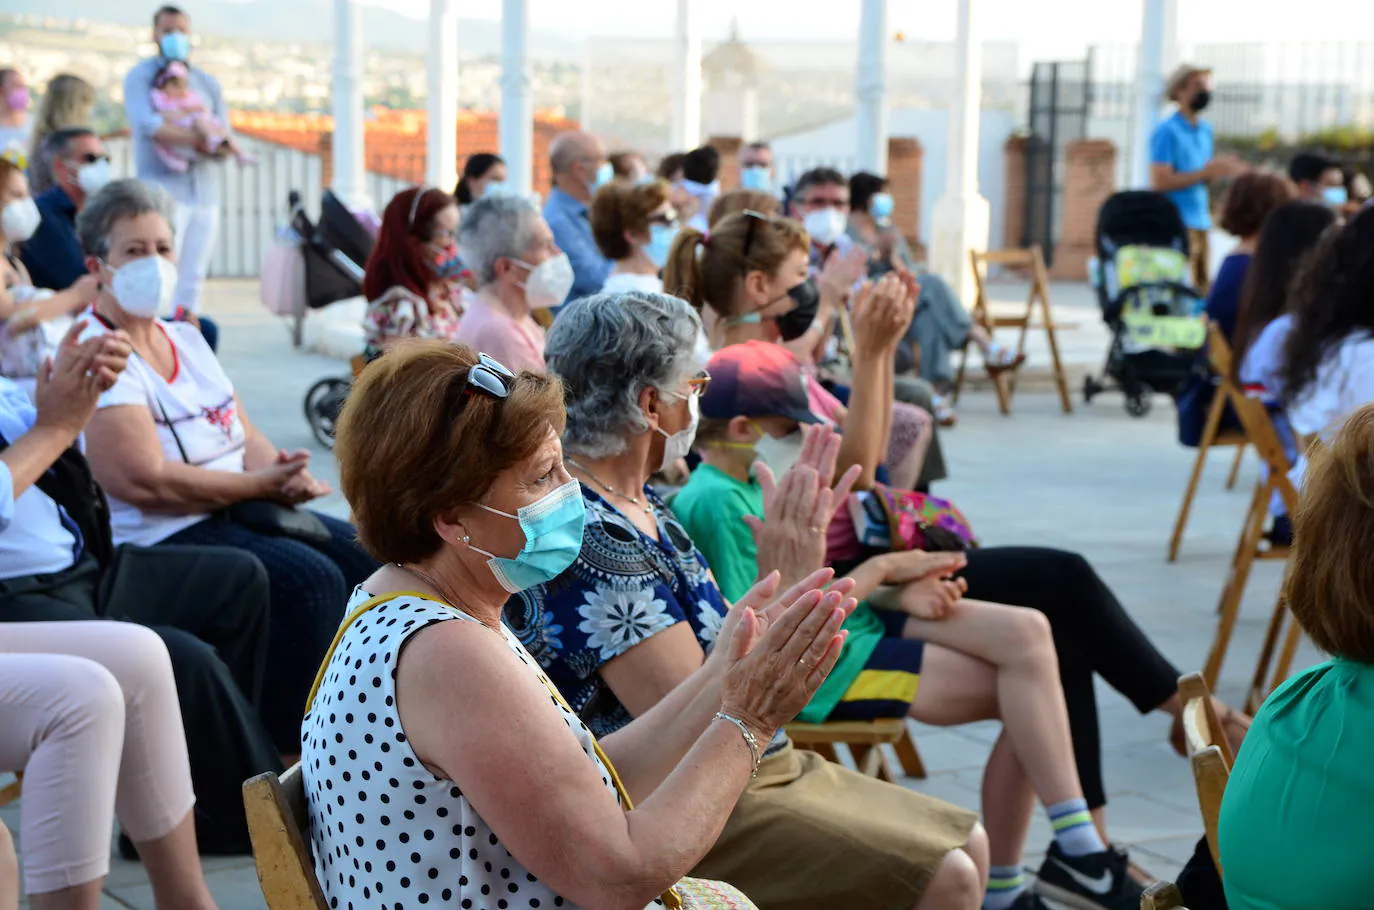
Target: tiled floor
<point>1098,482</point>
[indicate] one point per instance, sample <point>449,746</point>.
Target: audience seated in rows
<point>629,165</point>
<point>412,279</point>
<point>58,563</point>
<point>88,712</point>
<point>32,320</point>
<point>80,167</point>
<point>423,746</point>
<point>1251,199</point>
<point>634,225</point>
<point>173,447</point>
<point>68,101</point>
<point>519,269</point>
<point>1293,830</point>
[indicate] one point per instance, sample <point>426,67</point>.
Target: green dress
<point>711,508</point>
<point>1296,830</point>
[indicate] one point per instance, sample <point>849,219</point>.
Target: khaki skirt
<point>808,834</point>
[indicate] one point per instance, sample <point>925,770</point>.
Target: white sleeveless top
<point>385,831</point>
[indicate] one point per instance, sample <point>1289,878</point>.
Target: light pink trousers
<point>88,711</point>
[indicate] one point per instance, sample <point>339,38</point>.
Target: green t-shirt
<point>1294,829</point>
<point>711,508</point>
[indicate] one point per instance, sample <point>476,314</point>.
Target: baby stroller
<point>334,250</point>
<point>1142,282</point>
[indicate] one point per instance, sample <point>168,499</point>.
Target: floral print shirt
<point>624,588</point>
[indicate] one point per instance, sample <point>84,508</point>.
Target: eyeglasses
<point>699,383</point>
<point>754,218</point>
<point>90,158</point>
<point>490,377</point>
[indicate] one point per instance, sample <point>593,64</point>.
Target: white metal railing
<point>254,200</point>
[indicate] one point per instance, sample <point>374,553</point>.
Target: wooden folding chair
<point>1038,299</point>
<point>277,819</point>
<point>864,739</point>
<point>1209,752</point>
<point>1219,355</point>
<point>1259,430</point>
<point>1162,896</point>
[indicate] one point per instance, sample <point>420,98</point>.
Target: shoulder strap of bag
<point>670,898</point>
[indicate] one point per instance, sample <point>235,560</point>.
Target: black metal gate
<point>1060,96</point>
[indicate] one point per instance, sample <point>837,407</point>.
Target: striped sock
<point>1074,829</point>
<point>1005,884</point>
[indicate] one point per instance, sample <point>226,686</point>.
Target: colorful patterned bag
<point>900,520</point>
<point>704,894</point>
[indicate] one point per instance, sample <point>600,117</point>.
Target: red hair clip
<point>705,238</point>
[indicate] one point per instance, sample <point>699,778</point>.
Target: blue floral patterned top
<point>624,588</point>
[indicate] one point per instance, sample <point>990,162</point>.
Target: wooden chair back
<point>1221,361</point>
<point>864,739</point>
<point>1030,260</point>
<point>277,822</point>
<point>1162,896</point>
<point>1209,753</point>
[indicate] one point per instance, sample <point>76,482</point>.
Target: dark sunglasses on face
<point>89,158</point>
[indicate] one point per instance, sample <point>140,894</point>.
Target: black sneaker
<point>1098,881</point>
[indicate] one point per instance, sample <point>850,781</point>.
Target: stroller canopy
<point>342,231</point>
<point>1139,218</point>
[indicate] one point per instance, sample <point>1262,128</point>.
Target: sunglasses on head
<point>754,219</point>
<point>490,377</point>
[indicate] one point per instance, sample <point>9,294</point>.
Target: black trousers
<point>209,606</point>
<point>1093,634</point>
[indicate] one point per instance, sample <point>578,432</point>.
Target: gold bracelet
<point>749,739</point>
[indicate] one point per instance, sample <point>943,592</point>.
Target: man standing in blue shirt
<point>1182,161</point>
<point>580,167</point>
<point>196,190</point>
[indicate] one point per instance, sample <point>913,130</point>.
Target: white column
<point>1156,57</point>
<point>870,88</point>
<point>441,151</point>
<point>517,114</point>
<point>585,116</point>
<point>686,81</point>
<point>349,182</point>
<point>961,216</point>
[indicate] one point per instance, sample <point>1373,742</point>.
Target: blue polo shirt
<point>1186,147</point>
<point>572,231</point>
<point>53,254</point>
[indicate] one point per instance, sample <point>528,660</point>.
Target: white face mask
<point>548,283</point>
<point>680,443</point>
<point>91,178</point>
<point>143,287</point>
<point>780,453</point>
<point>824,225</point>
<point>20,219</point>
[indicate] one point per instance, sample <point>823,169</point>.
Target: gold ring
<point>817,529</point>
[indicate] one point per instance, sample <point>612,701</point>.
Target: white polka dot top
<point>386,832</point>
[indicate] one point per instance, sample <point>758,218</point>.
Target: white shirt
<point>1344,383</point>
<point>386,831</point>
<point>198,401</point>
<point>1263,364</point>
<point>33,539</point>
<point>620,282</point>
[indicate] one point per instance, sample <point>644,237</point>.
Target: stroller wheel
<point>1139,401</point>
<point>1091,387</point>
<point>323,403</point>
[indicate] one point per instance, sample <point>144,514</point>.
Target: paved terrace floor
<point>1097,481</point>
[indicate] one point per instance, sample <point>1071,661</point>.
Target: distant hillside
<point>297,20</point>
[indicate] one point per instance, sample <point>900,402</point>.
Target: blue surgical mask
<point>175,46</point>
<point>553,538</point>
<point>604,174</point>
<point>881,206</point>
<point>496,188</point>
<point>1335,196</point>
<point>755,177</point>
<point>660,242</point>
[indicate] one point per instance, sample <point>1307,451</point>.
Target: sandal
<point>1235,724</point>
<point>1003,359</point>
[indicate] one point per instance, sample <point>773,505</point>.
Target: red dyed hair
<point>399,256</point>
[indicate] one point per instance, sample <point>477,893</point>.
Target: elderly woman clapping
<point>507,243</point>
<point>440,764</point>
<point>181,462</point>
<point>639,610</point>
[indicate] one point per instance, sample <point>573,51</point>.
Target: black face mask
<point>794,323</point>
<point>1201,100</point>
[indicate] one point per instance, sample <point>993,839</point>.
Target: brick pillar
<point>1089,178</point>
<point>729,147</point>
<point>1014,220</point>
<point>905,161</point>
<point>326,159</point>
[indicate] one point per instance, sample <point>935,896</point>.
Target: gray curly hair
<point>608,348</point>
<point>113,203</point>
<point>497,226</point>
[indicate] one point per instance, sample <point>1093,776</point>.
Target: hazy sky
<point>1045,28</point>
